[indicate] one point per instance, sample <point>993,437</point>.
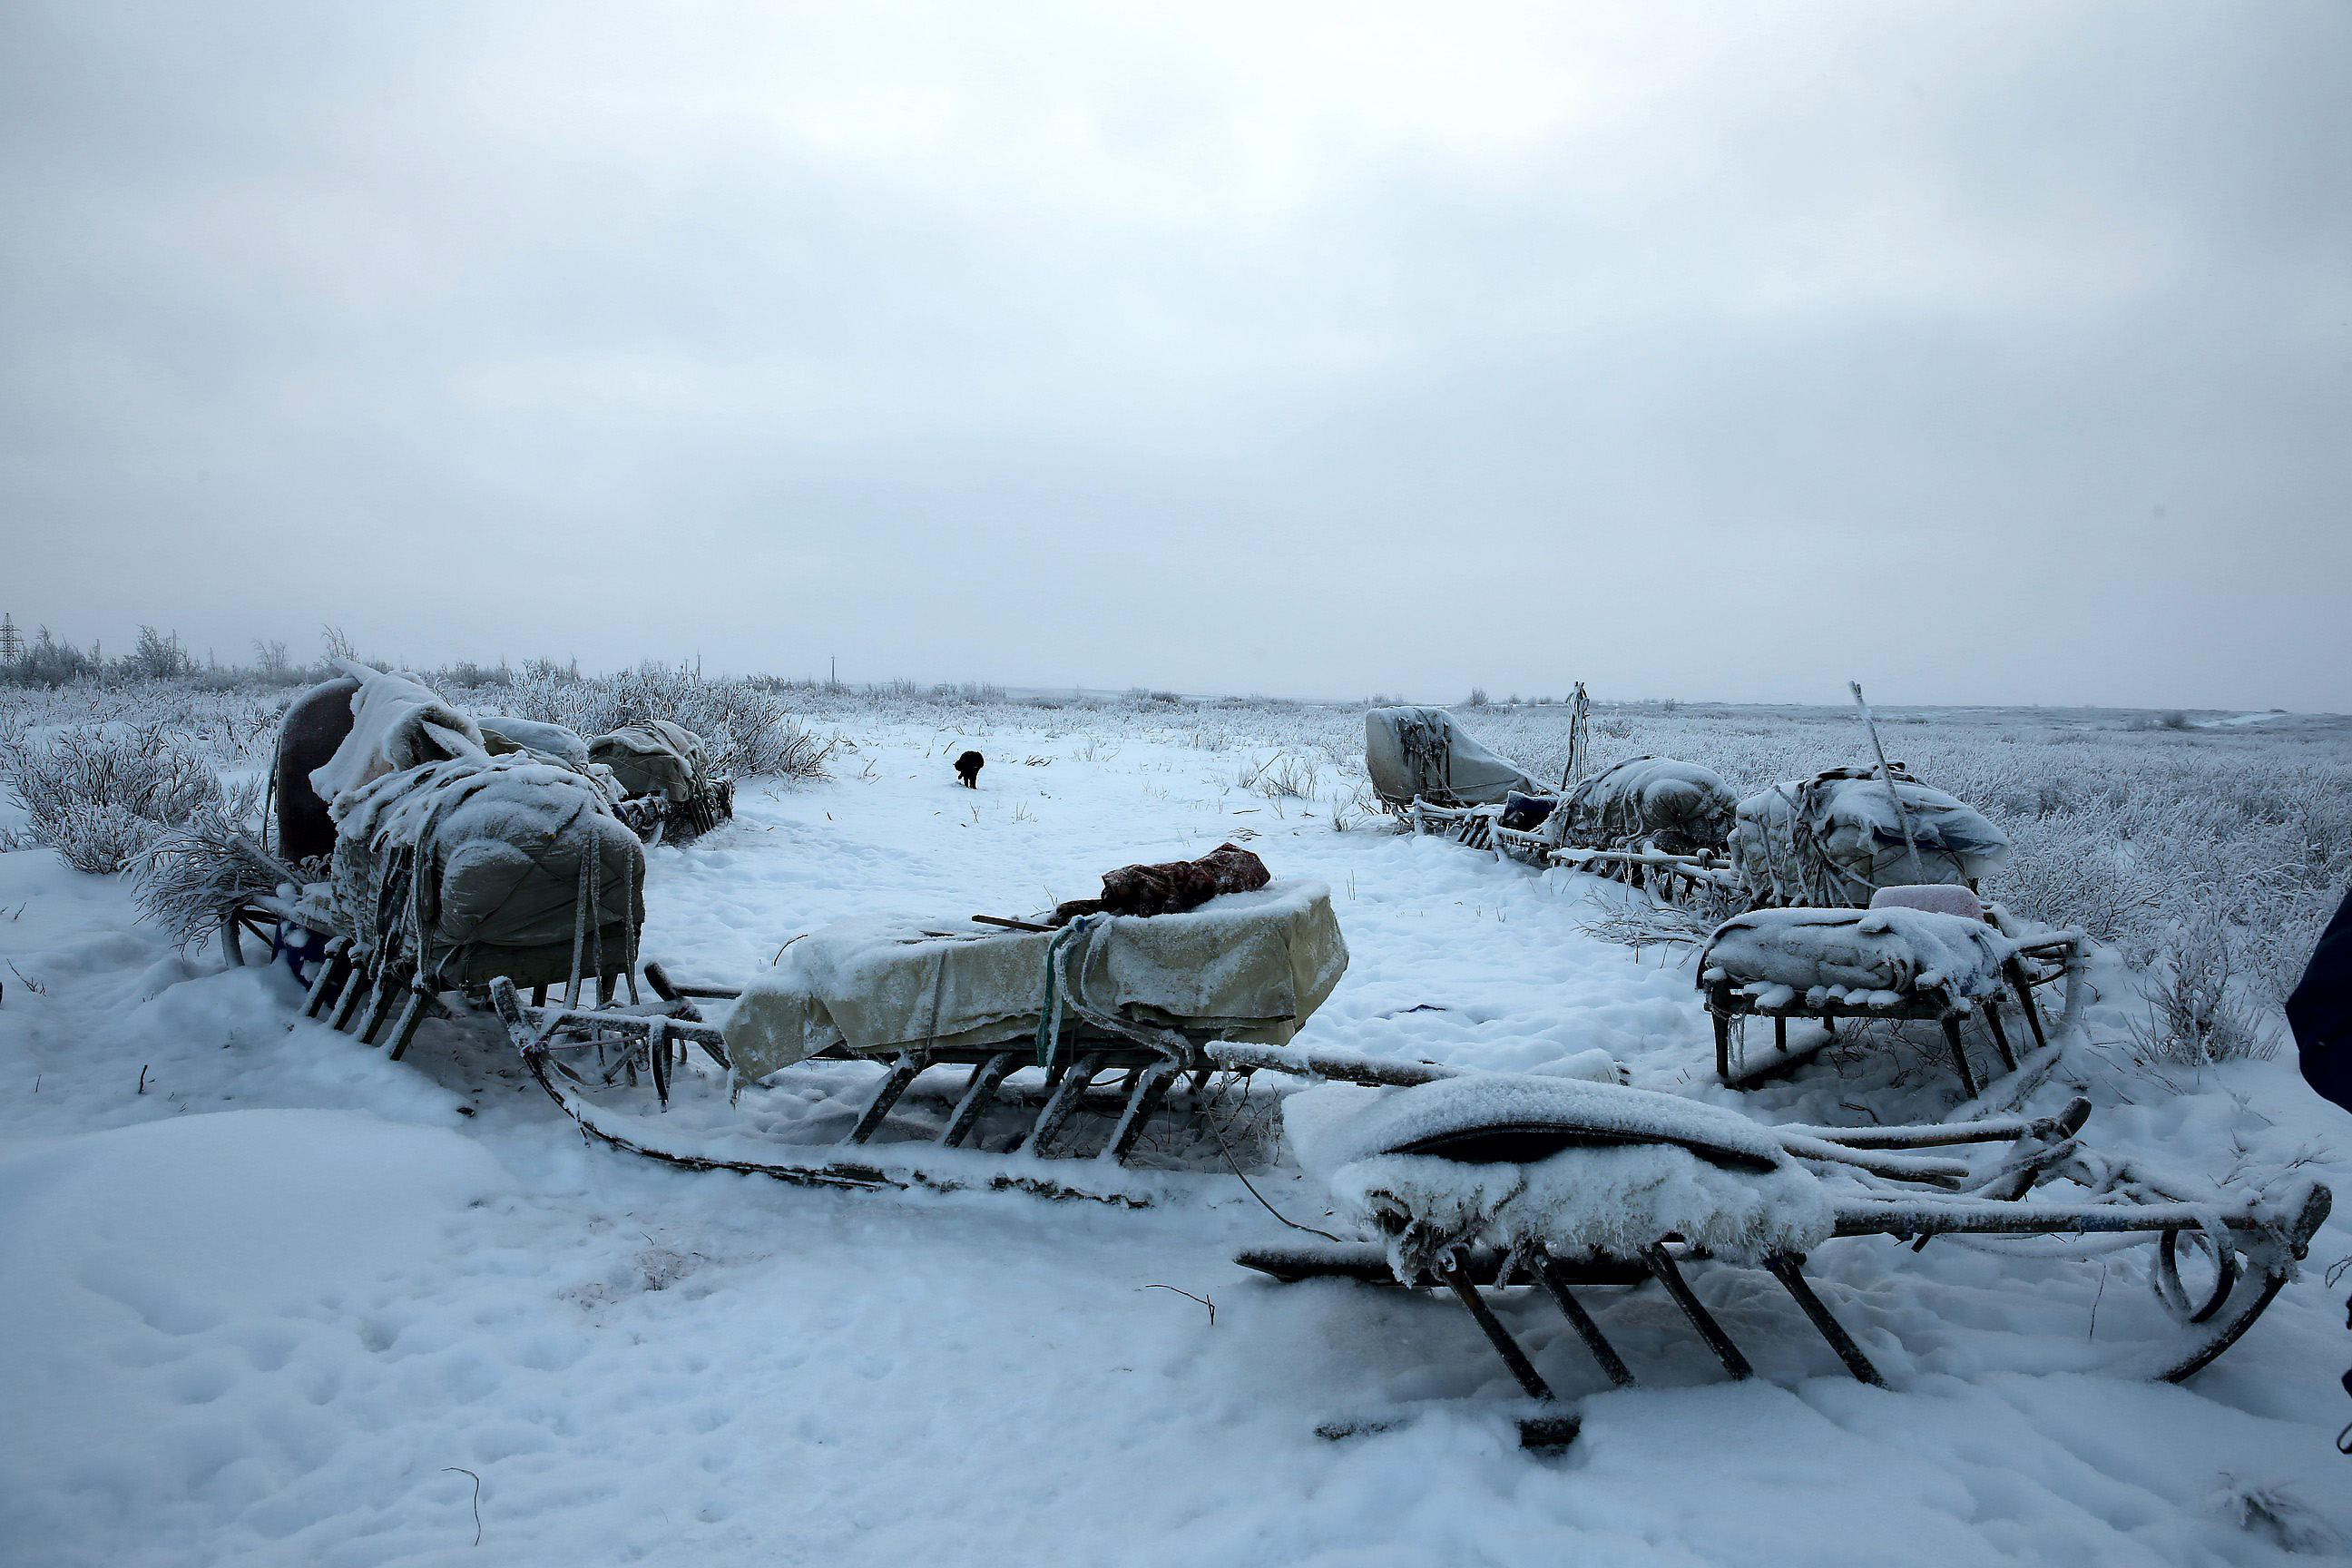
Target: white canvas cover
<point>1249,966</point>
<point>1423,751</point>
<point>397,723</point>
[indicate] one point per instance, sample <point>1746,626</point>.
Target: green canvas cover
<point>654,757</point>
<point>1245,966</point>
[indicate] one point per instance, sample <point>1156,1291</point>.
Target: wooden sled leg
<point>1662,1266</point>
<point>333,970</point>
<point>357,988</point>
<point>1555,1282</point>
<point>902,1075</point>
<point>1550,1430</point>
<point>2025,1004</point>
<point>1149,1090</point>
<point>1960,1055</point>
<point>1786,1268</point>
<point>411,1015</point>
<point>985,1080</point>
<point>379,1011</point>
<point>1061,1102</point>
<point>1999,1034</point>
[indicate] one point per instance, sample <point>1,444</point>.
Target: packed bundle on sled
<point>535,742</point>
<point>334,738</point>
<point>447,876</point>
<point>667,784</point>
<point>1839,837</point>
<point>993,1036</point>
<point>1421,755</point>
<point>1647,819</point>
<point>1495,1187</point>
<point>1889,963</point>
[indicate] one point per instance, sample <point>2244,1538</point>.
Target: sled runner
<point>1473,1185</point>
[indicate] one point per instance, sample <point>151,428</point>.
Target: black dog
<point>968,768</point>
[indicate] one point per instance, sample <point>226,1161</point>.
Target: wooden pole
<point>1901,815</point>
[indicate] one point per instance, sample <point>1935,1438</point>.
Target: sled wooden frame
<point>642,1040</point>
<point>1675,877</point>
<point>2037,961</point>
<point>377,1005</point>
<point>653,817</point>
<point>2255,1255</point>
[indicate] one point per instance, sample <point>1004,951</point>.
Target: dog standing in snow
<point>968,768</point>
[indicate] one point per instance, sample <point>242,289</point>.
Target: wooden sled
<point>381,1003</point>
<point>2253,1251</point>
<point>1676,878</point>
<point>1120,1080</point>
<point>656,817</point>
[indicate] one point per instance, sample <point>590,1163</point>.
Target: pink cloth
<point>1942,898</point>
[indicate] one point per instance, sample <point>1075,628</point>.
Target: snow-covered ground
<point>270,1297</point>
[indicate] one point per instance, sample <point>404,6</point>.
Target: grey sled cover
<point>1423,751</point>
<point>1244,966</point>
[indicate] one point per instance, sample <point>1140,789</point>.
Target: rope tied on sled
<point>1049,1006</point>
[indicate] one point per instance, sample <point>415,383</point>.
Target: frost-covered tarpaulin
<point>653,757</point>
<point>397,723</point>
<point>506,736</point>
<point>1246,966</point>
<point>1680,806</point>
<point>1884,955</point>
<point>1649,1165</point>
<point>1836,839</point>
<point>1423,751</point>
<point>475,867</point>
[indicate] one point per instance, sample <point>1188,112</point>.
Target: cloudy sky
<point>1984,351</point>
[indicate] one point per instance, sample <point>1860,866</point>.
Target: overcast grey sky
<point>1985,351</point>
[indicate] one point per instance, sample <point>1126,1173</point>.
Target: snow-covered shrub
<point>1285,775</point>
<point>102,797</point>
<point>192,876</point>
<point>747,727</point>
<point>49,662</point>
<point>2196,1019</point>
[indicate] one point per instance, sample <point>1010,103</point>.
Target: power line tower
<point>12,646</point>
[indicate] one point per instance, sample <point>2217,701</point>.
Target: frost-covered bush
<point>102,797</point>
<point>747,727</point>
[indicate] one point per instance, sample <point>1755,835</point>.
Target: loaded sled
<point>1021,1042</point>
<point>1501,1185</point>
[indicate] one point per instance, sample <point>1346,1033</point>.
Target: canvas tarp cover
<point>654,757</point>
<point>507,736</point>
<point>1423,751</point>
<point>1684,807</point>
<point>1245,966</point>
<point>397,723</point>
<point>1835,839</point>
<point>474,867</point>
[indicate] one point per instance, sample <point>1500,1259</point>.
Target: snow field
<point>267,1311</point>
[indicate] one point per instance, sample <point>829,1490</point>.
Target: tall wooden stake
<point>1902,814</point>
